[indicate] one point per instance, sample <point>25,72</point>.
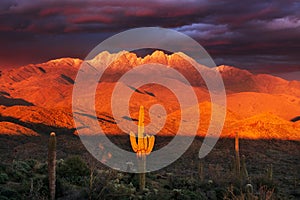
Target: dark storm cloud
<point>82,15</point>
<point>246,34</point>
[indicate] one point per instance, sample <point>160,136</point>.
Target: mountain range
<point>37,98</point>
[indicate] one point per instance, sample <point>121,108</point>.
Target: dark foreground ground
<point>23,171</point>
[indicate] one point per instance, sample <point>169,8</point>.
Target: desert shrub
<point>74,170</point>
<point>21,166</point>
<point>186,194</point>
<point>31,163</point>
<point>27,179</point>
<point>118,190</point>
<point>41,168</point>
<point>184,183</point>
<point>9,194</point>
<point>220,191</point>
<point>73,166</point>
<point>3,198</point>
<point>3,167</point>
<point>15,175</point>
<point>40,185</point>
<point>34,188</point>
<point>3,178</point>
<point>131,178</point>
<point>18,171</point>
<point>262,181</point>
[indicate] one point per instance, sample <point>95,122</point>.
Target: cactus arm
<point>133,143</point>
<point>151,141</point>
<point>145,143</point>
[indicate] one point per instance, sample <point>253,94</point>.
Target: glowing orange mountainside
<point>37,98</point>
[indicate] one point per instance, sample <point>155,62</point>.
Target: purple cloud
<point>246,34</point>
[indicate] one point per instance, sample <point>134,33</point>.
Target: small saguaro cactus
<point>201,170</point>
<point>249,192</point>
<point>270,172</point>
<point>142,148</point>
<point>52,164</point>
<point>239,165</point>
<point>244,171</point>
<point>237,156</point>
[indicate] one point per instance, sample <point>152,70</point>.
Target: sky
<point>262,36</point>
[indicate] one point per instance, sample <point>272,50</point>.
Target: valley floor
<point>260,154</point>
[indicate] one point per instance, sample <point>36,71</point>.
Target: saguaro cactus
<point>237,156</point>
<point>52,164</point>
<point>142,148</point>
